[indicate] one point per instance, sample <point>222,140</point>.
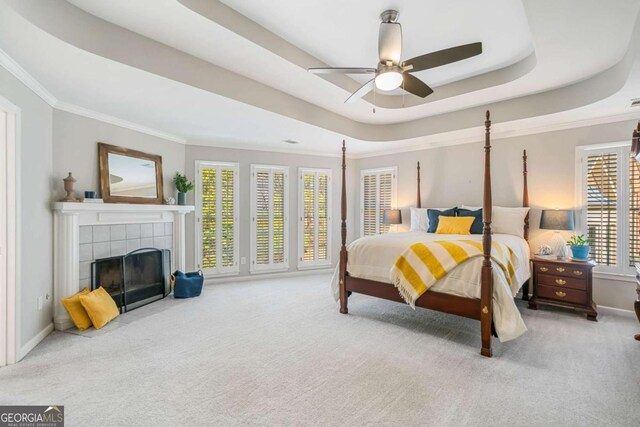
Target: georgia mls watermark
<point>32,416</point>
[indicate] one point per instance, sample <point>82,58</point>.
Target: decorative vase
<point>68,188</point>
<point>580,252</point>
<point>182,199</point>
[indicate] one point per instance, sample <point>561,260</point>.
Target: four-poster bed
<point>474,308</point>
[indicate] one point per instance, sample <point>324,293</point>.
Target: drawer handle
<point>561,294</point>
<point>561,282</point>
<point>560,269</point>
<point>577,272</point>
<point>543,269</point>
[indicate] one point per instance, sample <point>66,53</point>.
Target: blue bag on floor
<point>187,285</point>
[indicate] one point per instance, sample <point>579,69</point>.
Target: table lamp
<point>392,216</point>
<point>557,220</point>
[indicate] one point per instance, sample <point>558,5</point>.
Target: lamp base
<point>558,246</point>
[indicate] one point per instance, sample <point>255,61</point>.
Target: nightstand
<point>563,283</point>
<point>637,303</point>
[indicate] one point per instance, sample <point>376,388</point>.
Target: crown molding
<point>30,82</point>
<point>81,111</point>
<point>455,138</point>
<point>229,145</point>
<point>27,79</point>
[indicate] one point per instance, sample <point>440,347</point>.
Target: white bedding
<point>372,257</point>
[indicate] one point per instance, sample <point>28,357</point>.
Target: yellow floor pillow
<point>455,225</point>
<point>76,311</point>
<point>100,307</point>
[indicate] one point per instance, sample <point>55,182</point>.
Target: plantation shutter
<point>227,217</point>
<point>314,228</point>
<point>602,207</point>
<point>217,217</point>
<point>209,233</point>
<point>378,192</point>
<point>385,192</point>
<point>370,215</point>
<point>634,208</point>
<point>269,218</point>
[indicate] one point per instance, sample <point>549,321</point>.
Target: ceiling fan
<point>391,73</point>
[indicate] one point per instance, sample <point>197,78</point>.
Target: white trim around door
<point>9,262</point>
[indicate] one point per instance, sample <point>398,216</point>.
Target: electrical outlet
<point>243,260</point>
<point>40,302</point>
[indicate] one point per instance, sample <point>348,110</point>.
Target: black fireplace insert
<point>135,279</point>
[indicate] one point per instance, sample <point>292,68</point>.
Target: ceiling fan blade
<point>341,70</point>
<point>364,89</point>
<point>390,42</point>
<point>415,86</point>
<point>443,57</point>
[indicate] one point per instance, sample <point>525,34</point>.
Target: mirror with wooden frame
<point>129,176</point>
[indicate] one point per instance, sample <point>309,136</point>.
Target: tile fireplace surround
<point>84,232</point>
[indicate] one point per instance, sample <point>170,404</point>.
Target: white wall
<point>452,176</point>
<point>75,149</point>
<point>246,158</point>
<point>35,234</point>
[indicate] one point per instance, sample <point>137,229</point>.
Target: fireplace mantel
<point>70,207</point>
<point>69,217</point>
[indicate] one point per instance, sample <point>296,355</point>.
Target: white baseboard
<point>616,310</point>
<point>33,342</point>
<point>251,277</point>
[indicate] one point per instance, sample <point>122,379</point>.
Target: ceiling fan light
<point>389,80</point>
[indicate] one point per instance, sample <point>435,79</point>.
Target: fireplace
<point>135,279</point>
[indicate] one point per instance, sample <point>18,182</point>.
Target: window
<point>377,193</point>
<point>217,217</point>
<point>610,199</point>
<point>269,218</point>
<point>314,222</point>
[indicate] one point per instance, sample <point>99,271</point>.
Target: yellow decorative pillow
<point>76,311</point>
<point>100,307</point>
<point>455,225</point>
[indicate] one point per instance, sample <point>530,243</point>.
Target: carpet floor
<point>277,352</point>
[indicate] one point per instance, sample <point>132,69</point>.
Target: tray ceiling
<point>225,64</point>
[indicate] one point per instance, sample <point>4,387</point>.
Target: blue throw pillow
<point>477,226</point>
<point>434,214</point>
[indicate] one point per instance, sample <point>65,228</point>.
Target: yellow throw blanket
<point>423,264</point>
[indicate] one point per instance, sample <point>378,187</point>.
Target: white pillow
<point>420,220</point>
<point>506,220</point>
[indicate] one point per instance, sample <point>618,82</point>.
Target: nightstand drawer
<point>562,294</point>
<point>562,270</point>
<point>562,282</point>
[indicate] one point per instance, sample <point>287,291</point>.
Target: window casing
<point>217,232</point>
<point>269,218</point>
<point>377,193</point>
<point>314,217</point>
<point>608,195</point>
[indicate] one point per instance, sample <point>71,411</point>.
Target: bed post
<point>418,202</point>
<point>525,204</point>
<point>486,289</point>
<point>343,231</point>
<point>525,193</point>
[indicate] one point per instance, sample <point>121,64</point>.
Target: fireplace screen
<point>135,279</point>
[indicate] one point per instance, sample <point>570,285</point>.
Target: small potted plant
<point>579,247</point>
<point>183,185</point>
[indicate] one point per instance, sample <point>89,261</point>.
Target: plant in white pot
<point>183,185</point>
<point>579,247</point>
